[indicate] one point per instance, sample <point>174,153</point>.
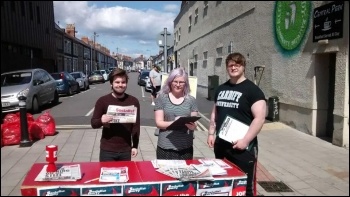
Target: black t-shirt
<point>236,101</point>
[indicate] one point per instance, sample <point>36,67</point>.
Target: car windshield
<point>15,78</point>
<point>145,74</point>
<point>76,75</point>
<point>56,76</point>
<point>95,73</point>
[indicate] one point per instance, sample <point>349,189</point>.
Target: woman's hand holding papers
<point>191,126</point>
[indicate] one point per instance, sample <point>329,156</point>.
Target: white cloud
<point>172,8</point>
<point>121,22</point>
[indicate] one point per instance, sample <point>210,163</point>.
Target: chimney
<point>70,29</point>
<point>85,39</point>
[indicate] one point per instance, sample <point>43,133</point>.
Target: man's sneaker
<point>153,103</point>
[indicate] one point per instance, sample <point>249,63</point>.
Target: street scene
<point>57,81</point>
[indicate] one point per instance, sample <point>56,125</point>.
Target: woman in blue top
<point>174,101</point>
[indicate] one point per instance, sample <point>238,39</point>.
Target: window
<point>190,24</point>
<point>195,65</point>
<point>219,52</point>
<point>196,16</point>
<point>179,33</point>
<point>38,14</point>
<point>205,61</point>
<point>205,11</point>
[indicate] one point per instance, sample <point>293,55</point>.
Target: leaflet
<point>122,114</point>
<point>114,174</point>
<point>64,173</point>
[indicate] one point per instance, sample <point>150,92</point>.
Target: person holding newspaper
<point>120,136</point>
<point>240,100</point>
<point>174,101</point>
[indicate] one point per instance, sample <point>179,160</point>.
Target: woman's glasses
<point>179,82</point>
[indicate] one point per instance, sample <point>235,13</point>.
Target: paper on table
<point>232,129</point>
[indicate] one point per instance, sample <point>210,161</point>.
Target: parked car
<point>148,86</point>
<point>142,77</point>
<point>66,83</point>
<point>36,85</point>
<point>103,73</point>
<point>111,68</point>
<point>96,77</point>
<point>82,79</point>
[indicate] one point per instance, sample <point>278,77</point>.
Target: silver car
<point>82,79</point>
<point>36,85</point>
<point>148,86</point>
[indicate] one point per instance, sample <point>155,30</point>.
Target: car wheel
<point>55,99</point>
<point>69,91</point>
<point>78,89</point>
<point>35,106</point>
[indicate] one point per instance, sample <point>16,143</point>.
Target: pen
<point>92,180</point>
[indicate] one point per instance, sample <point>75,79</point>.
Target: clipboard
<point>179,124</point>
<point>232,129</point>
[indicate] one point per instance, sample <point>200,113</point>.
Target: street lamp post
<point>92,58</point>
<point>149,65</point>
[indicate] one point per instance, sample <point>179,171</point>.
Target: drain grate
<point>274,186</point>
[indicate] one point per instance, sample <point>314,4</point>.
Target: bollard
<point>25,142</point>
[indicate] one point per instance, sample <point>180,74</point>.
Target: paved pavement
<point>306,164</point>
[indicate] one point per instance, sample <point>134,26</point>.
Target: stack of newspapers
<point>63,173</point>
<point>186,172</point>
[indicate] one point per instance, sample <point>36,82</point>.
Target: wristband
<point>210,133</point>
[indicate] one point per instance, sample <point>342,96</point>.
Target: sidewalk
<point>308,165</point>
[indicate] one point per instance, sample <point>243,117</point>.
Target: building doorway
<point>325,68</point>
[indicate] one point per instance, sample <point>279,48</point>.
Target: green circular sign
<point>291,22</point>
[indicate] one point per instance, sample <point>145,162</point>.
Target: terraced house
<point>297,52</point>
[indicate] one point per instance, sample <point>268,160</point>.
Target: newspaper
<point>187,173</point>
<point>216,166</point>
<point>160,163</point>
<point>64,173</point>
<point>122,114</point>
<point>114,174</point>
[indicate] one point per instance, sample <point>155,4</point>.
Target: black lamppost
<point>25,142</point>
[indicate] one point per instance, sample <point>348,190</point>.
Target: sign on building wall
<point>291,21</point>
<point>328,21</point>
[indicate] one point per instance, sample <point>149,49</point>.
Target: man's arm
<point>212,124</point>
<point>259,113</point>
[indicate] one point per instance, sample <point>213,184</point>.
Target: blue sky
<point>131,27</point>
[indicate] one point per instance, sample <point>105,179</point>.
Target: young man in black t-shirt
<point>241,99</point>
